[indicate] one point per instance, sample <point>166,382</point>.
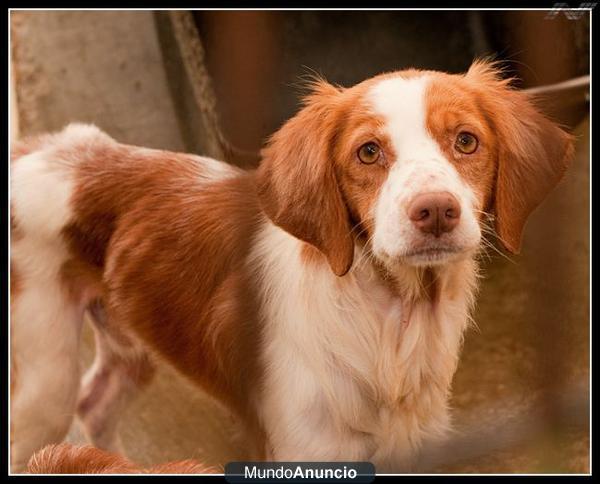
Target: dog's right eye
<point>369,153</point>
<point>466,143</point>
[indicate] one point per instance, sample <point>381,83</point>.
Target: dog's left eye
<point>369,153</point>
<point>466,143</point>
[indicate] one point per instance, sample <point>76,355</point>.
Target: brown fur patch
<point>297,183</point>
<point>311,182</point>
<point>69,459</point>
<point>521,155</point>
<point>360,183</point>
<point>165,247</point>
<point>452,108</point>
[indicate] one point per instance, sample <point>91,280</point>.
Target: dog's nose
<point>434,213</point>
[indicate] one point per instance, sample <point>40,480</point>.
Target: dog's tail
<point>70,459</point>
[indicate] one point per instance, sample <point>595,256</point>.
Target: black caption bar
<point>292,472</point>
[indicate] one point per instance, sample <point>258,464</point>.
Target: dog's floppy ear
<point>533,152</point>
<point>296,179</point>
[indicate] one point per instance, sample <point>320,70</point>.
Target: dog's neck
<point>402,283</point>
<point>369,298</point>
<point>420,285</point>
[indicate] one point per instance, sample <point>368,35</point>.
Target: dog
<point>322,296</point>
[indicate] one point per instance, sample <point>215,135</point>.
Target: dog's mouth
<point>430,256</point>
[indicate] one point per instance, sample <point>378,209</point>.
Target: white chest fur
<point>352,373</point>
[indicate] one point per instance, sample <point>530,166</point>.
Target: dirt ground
<point>531,339</point>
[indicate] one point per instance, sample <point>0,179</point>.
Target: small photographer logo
<point>572,13</point>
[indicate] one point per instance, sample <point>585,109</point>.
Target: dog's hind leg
<point>120,369</point>
<point>45,329</point>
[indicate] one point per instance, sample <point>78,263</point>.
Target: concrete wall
<point>99,67</point>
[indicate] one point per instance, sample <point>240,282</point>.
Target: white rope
<point>561,86</point>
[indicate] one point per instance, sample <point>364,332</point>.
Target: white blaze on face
<point>419,167</point>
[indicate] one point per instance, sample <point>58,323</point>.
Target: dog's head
<point>410,163</point>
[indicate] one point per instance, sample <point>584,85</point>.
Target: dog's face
<point>410,164</point>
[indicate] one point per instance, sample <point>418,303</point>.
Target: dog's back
<point>100,225</point>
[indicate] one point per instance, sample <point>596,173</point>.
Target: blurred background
<point>219,82</point>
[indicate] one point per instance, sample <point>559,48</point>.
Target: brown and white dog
<point>322,297</point>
